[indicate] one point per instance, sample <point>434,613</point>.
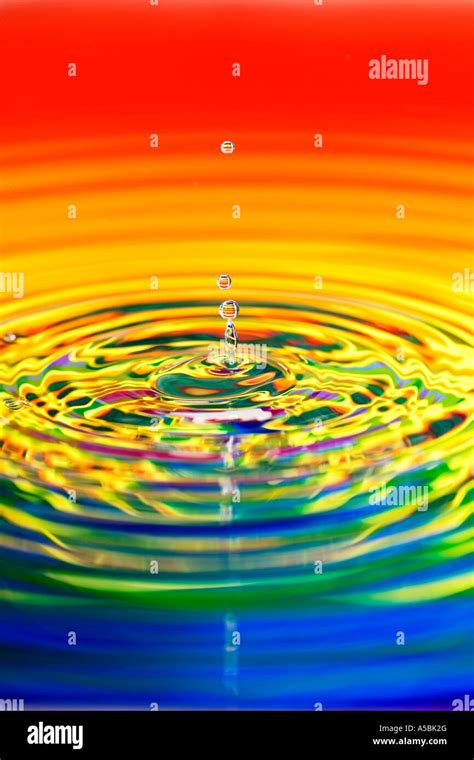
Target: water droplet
<point>9,338</point>
<point>227,146</point>
<point>13,403</point>
<point>224,282</point>
<point>229,310</point>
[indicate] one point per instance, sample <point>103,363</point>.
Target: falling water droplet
<point>227,146</point>
<point>229,310</point>
<point>13,403</point>
<point>224,282</point>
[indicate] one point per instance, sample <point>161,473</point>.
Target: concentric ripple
<point>126,438</point>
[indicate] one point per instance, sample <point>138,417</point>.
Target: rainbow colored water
<point>120,458</point>
<point>206,529</point>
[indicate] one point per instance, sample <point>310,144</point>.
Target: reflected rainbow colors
<point>154,499</point>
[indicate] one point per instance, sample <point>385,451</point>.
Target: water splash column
<point>229,310</point>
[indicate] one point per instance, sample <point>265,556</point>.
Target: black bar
<point>197,734</point>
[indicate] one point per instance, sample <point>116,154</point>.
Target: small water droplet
<point>9,338</point>
<point>224,282</point>
<point>229,310</point>
<point>227,146</point>
<point>13,403</point>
